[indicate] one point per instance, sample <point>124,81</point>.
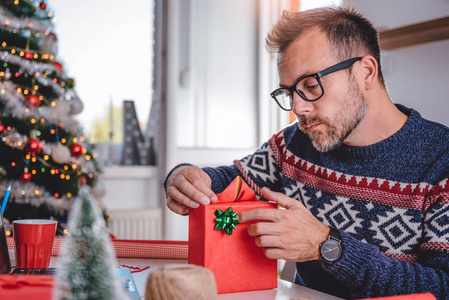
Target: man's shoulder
<point>435,132</point>
<point>428,131</point>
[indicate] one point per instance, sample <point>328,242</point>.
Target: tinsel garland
<point>25,193</point>
<point>34,67</point>
<point>17,23</point>
<point>37,14</point>
<point>16,140</point>
<point>27,65</point>
<point>14,102</point>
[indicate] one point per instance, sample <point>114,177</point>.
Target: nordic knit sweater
<point>390,201</point>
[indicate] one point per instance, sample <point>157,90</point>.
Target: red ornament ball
<point>53,36</point>
<point>76,150</point>
<point>33,100</point>
<point>2,128</point>
<point>82,180</point>
<point>33,146</point>
<point>58,66</point>
<point>43,6</point>
<point>26,177</point>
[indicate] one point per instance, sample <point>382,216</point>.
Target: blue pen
<point>5,199</point>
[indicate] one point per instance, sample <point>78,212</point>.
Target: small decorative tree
<point>86,269</point>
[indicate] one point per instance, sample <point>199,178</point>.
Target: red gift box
<point>230,253</point>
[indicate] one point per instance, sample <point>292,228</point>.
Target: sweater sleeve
<point>221,177</point>
<point>369,273</point>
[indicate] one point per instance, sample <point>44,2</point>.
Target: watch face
<point>330,250</point>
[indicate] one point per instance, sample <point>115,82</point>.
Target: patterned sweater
<point>390,201</point>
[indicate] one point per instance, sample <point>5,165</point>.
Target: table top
<point>286,290</point>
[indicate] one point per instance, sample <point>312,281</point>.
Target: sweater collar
<point>392,142</point>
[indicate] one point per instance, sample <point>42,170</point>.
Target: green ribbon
<point>226,220</point>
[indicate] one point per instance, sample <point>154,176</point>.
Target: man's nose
<point>301,106</point>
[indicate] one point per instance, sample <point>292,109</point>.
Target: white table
<point>285,291</point>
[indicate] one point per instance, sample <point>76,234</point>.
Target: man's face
<point>332,118</point>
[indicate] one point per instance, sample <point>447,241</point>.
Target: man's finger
<point>279,198</point>
<point>177,196</point>
<point>268,241</point>
<point>258,214</point>
<point>275,253</point>
<point>201,186</point>
<point>177,208</point>
<point>200,180</point>
<point>263,228</point>
<point>186,188</point>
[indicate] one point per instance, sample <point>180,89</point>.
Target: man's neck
<point>382,120</point>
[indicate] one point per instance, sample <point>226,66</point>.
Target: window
<point>107,47</point>
<point>217,106</point>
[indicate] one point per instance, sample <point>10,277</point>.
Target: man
<point>364,182</point>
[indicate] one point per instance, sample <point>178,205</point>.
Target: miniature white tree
<point>86,266</point>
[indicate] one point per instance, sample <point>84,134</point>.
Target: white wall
<point>131,188</point>
<point>416,76</point>
<point>219,76</point>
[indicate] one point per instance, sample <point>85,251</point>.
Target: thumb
<point>279,198</point>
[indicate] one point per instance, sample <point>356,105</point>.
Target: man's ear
<point>370,70</point>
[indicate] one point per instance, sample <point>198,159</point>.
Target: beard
<point>341,124</point>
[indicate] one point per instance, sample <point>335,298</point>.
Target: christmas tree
<point>86,267</point>
<point>43,153</point>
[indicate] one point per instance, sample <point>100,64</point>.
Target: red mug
<point>33,241</point>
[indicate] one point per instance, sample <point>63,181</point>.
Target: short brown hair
<point>349,33</point>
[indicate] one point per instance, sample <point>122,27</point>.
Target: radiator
<point>143,224</point>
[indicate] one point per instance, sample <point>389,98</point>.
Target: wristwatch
<point>330,249</point>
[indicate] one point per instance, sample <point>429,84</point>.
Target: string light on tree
<point>28,55</point>
<point>25,177</point>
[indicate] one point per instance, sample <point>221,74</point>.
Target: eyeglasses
<point>308,87</point>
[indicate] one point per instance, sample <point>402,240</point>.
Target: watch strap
<point>334,234</point>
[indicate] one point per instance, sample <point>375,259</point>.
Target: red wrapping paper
<point>25,287</point>
<point>423,296</point>
<point>237,263</point>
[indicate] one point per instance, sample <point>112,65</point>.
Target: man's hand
<point>292,234</point>
<point>188,186</point>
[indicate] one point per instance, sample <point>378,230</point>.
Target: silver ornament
<point>60,154</point>
<point>61,108</point>
<point>76,106</point>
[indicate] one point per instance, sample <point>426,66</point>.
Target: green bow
<point>226,220</point>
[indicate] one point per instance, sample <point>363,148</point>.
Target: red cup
<point>33,241</point>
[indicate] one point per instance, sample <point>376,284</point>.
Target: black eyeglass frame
<point>340,66</point>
